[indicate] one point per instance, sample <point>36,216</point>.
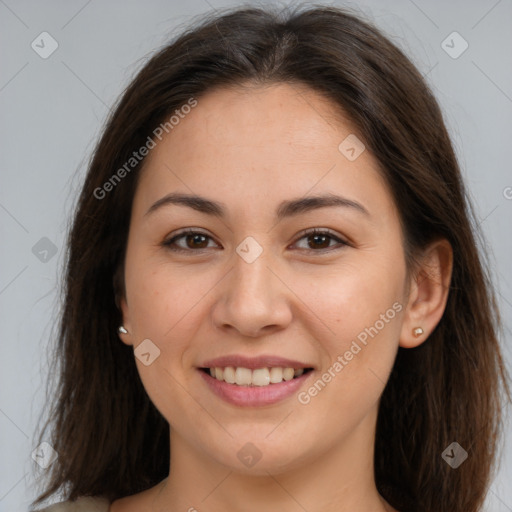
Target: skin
<point>251,148</point>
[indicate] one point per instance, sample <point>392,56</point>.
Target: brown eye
<point>318,240</point>
<point>193,241</point>
<point>196,241</point>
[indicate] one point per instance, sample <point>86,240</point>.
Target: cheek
<point>162,298</point>
<point>345,302</point>
<point>164,305</point>
<point>356,325</point>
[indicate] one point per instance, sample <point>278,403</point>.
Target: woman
<point>274,298</point>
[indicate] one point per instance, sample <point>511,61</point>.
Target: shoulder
<point>85,504</point>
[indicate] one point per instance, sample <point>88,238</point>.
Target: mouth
<point>258,377</point>
<point>253,382</point>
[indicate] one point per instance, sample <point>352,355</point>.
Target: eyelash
<point>310,232</point>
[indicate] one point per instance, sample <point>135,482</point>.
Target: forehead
<point>290,117</point>
<point>261,145</point>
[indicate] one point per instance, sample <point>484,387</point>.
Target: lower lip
<point>254,396</point>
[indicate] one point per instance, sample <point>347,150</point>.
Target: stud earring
<point>418,331</point>
<point>122,330</point>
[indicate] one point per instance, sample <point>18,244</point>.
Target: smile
<point>241,376</point>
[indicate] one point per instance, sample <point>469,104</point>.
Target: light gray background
<point>52,112</point>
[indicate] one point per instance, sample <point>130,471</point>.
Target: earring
<point>122,330</point>
<point>418,331</point>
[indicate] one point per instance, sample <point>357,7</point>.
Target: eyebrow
<point>288,208</point>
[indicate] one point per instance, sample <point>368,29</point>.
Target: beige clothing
<point>88,504</point>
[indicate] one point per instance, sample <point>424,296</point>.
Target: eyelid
<point>181,233</point>
<point>323,231</point>
<point>310,231</point>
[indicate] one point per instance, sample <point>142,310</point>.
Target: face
<point>253,289</point>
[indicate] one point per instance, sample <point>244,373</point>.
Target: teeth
<point>242,376</point>
<point>259,377</point>
<point>229,375</point>
<point>276,375</point>
<point>288,373</point>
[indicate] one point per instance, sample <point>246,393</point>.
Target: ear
<point>123,306</point>
<point>428,293</point>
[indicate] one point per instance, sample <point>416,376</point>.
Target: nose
<point>253,299</point>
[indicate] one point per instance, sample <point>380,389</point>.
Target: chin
<point>260,456</point>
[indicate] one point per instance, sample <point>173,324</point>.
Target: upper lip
<point>263,361</point>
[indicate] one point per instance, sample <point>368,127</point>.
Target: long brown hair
<point>110,438</point>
